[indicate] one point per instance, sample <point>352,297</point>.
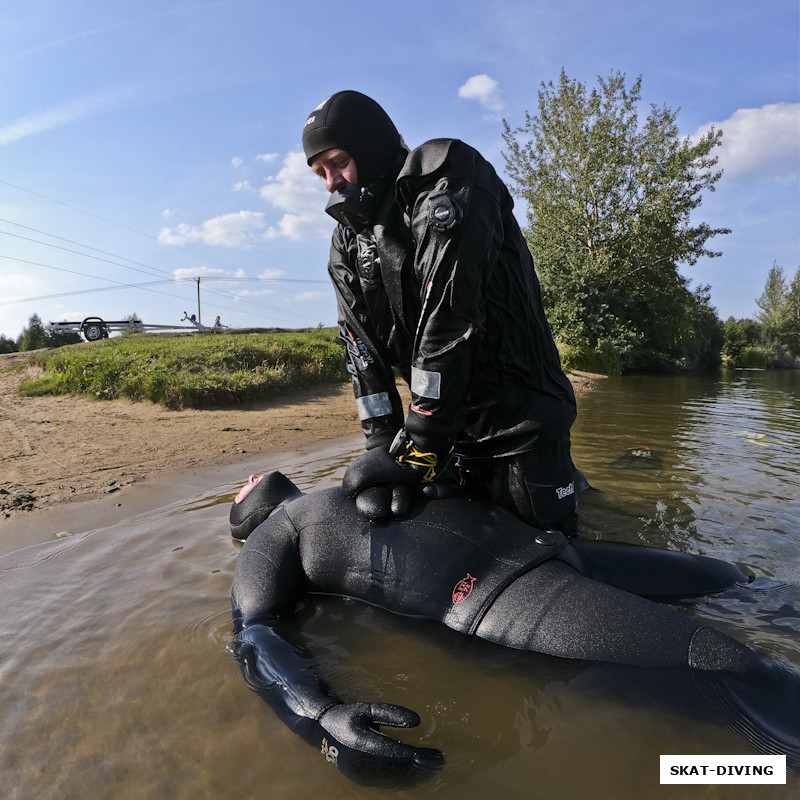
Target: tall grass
<point>196,371</point>
<point>604,362</point>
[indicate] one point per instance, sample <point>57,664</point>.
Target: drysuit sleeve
<point>454,201</point>
<point>378,403</point>
<point>267,582</point>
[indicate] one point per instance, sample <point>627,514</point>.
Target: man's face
<point>247,488</point>
<point>336,168</point>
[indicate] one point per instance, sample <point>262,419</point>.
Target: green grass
<point>604,363</point>
<point>197,371</point>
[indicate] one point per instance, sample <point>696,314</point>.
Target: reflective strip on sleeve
<point>374,405</point>
<point>426,384</point>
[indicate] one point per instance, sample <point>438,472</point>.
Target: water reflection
<point>115,680</point>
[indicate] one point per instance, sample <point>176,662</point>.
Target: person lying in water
<point>484,573</point>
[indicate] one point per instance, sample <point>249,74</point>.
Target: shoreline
<point>75,464</point>
<point>45,523</point>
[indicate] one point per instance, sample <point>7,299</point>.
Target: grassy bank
<point>197,371</point>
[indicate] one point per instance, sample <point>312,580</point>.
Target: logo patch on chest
<point>463,589</point>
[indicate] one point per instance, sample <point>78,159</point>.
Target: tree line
<point>611,206</point>
<point>773,338</point>
<point>35,336</point>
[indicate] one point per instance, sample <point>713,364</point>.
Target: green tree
<point>33,336</point>
<point>703,347</point>
<point>772,305</point>
<point>61,338</point>
<point>779,316</point>
<point>609,205</point>
<point>7,345</point>
<point>740,334</point>
<point>791,323</point>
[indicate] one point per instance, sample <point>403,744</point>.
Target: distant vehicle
<point>93,329</point>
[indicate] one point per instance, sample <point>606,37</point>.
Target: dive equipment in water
<point>480,571</point>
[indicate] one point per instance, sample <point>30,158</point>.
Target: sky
<point>146,144</point>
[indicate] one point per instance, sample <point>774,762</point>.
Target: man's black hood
<point>356,123</point>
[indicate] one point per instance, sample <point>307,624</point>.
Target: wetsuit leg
<point>650,572</point>
<point>555,610</point>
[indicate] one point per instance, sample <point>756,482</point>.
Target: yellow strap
<point>415,458</point>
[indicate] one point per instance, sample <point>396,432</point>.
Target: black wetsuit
<point>480,571</point>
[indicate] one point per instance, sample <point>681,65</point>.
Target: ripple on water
<point>116,679</point>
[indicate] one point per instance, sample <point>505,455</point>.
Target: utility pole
<point>198,301</point>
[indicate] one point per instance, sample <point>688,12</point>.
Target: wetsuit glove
<point>381,487</point>
<point>357,726</point>
<point>381,479</point>
<point>347,735</point>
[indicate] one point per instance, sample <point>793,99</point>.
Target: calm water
<point>115,680</point>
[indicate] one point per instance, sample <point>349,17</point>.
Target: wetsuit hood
<point>356,123</point>
<point>270,492</point>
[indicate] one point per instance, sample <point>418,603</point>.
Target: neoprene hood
<point>272,490</point>
<point>356,123</point>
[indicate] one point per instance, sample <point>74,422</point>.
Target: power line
<point>80,291</point>
<point>148,269</point>
<point>112,222</point>
<point>139,263</point>
<point>120,285</point>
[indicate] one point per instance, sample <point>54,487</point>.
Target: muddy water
<point>115,680</point>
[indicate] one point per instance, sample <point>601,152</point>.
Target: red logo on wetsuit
<point>463,589</point>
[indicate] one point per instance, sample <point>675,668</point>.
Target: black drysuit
<point>442,286</point>
<point>481,571</point>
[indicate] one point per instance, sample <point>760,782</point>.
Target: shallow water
<point>115,680</point>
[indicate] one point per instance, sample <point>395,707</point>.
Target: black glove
<point>380,503</point>
<point>382,479</point>
<point>348,736</point>
<point>357,726</point>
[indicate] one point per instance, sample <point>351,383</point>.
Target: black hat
<point>270,492</point>
<point>355,123</point>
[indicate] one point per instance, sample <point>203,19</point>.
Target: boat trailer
<point>93,329</point>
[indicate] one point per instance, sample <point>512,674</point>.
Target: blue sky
<point>144,144</point>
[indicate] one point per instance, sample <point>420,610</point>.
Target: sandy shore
<point>71,463</point>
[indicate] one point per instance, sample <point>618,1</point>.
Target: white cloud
<point>760,142</point>
<point>238,229</point>
<point>295,191</point>
<point>236,161</point>
<point>16,285</point>
<point>483,89</point>
<point>309,296</point>
<point>167,213</point>
<point>245,293</point>
<point>301,195</point>
<point>270,274</point>
<point>198,272</point>
<point>89,105</point>
<point>17,279</point>
<point>267,157</point>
